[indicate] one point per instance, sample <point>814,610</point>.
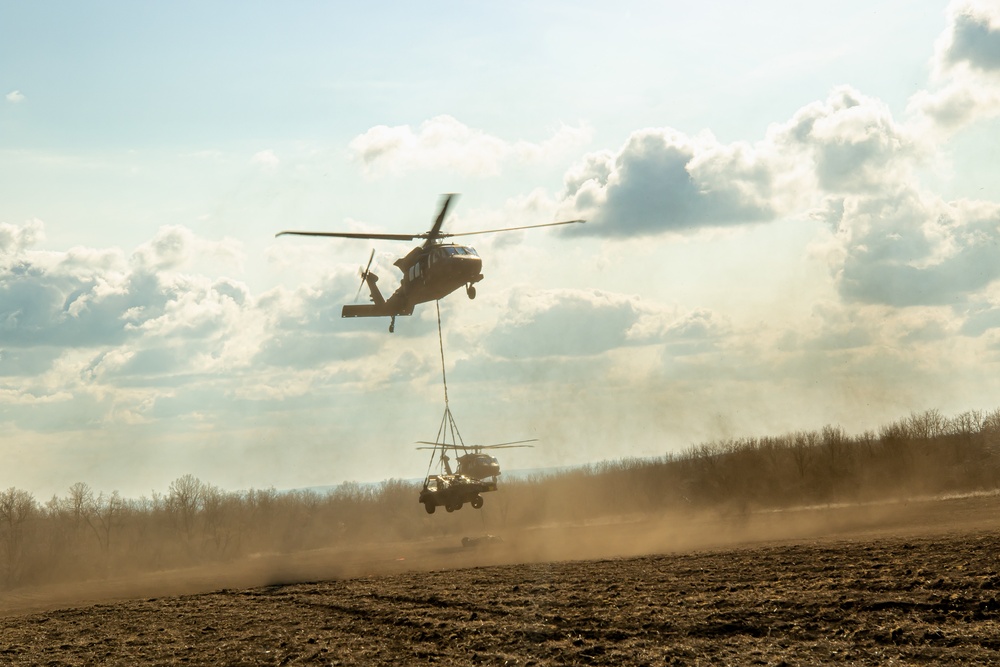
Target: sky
<point>792,220</point>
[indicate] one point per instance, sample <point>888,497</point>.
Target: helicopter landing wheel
<point>429,507</point>
<point>477,502</point>
<point>392,324</point>
<point>471,291</point>
<point>450,508</point>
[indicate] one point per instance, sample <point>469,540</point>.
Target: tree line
<point>87,534</point>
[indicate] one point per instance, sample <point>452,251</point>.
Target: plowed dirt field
<point>913,583</point>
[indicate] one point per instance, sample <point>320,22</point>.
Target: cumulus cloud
<point>445,143</point>
<point>980,321</point>
<point>966,66</point>
<point>562,323</point>
<point>266,159</point>
<point>844,160</point>
<point>176,247</point>
<point>14,239</point>
<point>104,339</point>
<point>663,181</point>
<point>14,97</point>
<point>305,329</point>
<point>957,104</point>
<point>972,37</point>
<point>92,311</point>
<point>906,249</point>
<point>850,141</point>
<point>585,323</point>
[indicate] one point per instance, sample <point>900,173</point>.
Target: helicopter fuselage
<point>435,272</point>
<point>429,273</point>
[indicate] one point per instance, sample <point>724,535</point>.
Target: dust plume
<point>89,546</point>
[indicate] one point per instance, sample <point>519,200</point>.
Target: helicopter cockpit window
<point>471,251</point>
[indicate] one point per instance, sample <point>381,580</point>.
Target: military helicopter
<point>476,474</point>
<point>430,271</point>
<point>473,462</point>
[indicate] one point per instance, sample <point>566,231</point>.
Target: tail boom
<point>368,310</point>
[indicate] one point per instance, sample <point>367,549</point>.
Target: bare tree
<point>78,503</point>
<point>927,425</point>
<point>184,500</point>
<point>803,444</point>
<point>16,508</point>
<point>221,524</point>
<point>835,446</point>
<point>104,514</point>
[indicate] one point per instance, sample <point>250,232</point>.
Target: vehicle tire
<point>429,507</point>
<point>450,508</point>
<point>477,502</point>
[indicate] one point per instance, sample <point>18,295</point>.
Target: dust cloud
<point>599,539</point>
<point>921,474</point>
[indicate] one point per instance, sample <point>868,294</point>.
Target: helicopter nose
<point>471,266</point>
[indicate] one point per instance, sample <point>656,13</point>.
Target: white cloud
<point>972,37</point>
<point>561,322</point>
<point>664,181</point>
<point>266,159</point>
<point>445,143</point>
<point>585,323</point>
<point>966,66</point>
<point>96,299</point>
<point>905,248</point>
<point>850,141</point>
<point>962,101</point>
<point>149,342</point>
<point>176,247</point>
<point>15,97</point>
<point>15,239</point>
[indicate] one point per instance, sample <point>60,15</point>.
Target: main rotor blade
<point>498,446</point>
<point>435,445</point>
<point>435,231</point>
<point>503,445</point>
<point>357,235</point>
<point>508,444</point>
<point>512,229</point>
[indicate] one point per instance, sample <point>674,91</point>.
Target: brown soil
<point>901,583</point>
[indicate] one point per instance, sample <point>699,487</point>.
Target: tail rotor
<point>365,273</point>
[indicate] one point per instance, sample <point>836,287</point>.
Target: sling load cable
<point>447,421</point>
<point>447,410</point>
